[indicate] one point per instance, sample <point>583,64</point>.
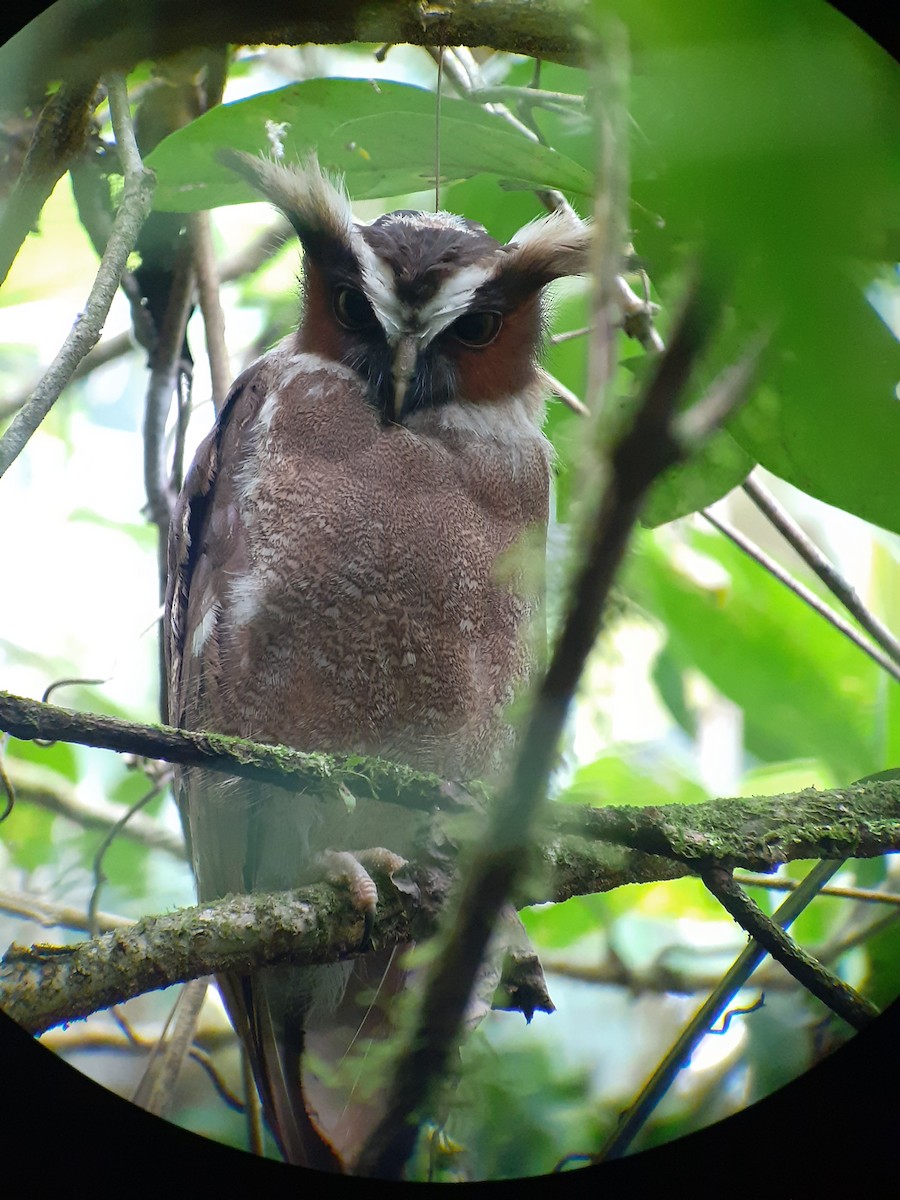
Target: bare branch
<point>559,389</point>
<point>128,815</point>
<point>636,1115</point>
<point>243,262</point>
<point>779,884</point>
<point>826,571</point>
<point>156,1089</point>
<point>63,916</point>
<point>86,331</point>
<point>210,306</point>
<point>832,991</point>
<point>637,314</point>
<point>167,370</point>
<point>724,396</point>
<point>819,606</point>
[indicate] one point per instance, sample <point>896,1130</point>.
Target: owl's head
<point>427,308</point>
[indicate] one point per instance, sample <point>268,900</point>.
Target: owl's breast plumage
<point>369,605</point>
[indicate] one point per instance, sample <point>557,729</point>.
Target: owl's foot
<point>350,869</point>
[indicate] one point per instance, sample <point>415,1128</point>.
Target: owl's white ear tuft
<point>313,202</point>
<point>550,247</point>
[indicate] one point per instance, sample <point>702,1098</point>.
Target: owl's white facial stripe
<point>425,322</point>
<point>378,284</point>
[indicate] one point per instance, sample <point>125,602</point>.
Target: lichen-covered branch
<point>44,985</point>
<point>758,833</point>
<point>294,769</point>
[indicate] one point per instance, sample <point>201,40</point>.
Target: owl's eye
<point>476,328</point>
<point>351,308</point>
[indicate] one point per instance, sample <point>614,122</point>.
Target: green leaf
<point>804,688</point>
<point>380,136</point>
<point>767,134</point>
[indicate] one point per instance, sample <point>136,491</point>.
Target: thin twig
<point>156,1088</point>
<point>528,96</point>
<point>866,895</point>
<point>723,396</point>
<point>826,571</point>
<point>252,1107</point>
<point>210,306</point>
<point>559,389</point>
<point>46,789</point>
<point>557,339</point>
<point>107,351</point>
<point>810,598</point>
<point>107,841</point>
<point>855,1009</point>
<point>62,916</point>
<point>168,367</point>
<point>242,262</point>
<point>609,79</point>
<point>637,314</point>
<point>86,330</point>
<point>636,1115</point>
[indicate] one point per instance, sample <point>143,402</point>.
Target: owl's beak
<point>405,354</point>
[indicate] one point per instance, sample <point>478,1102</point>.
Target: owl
<point>346,574</point>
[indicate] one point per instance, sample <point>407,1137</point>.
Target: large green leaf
<point>830,422</point>
<point>380,136</point>
<point>767,134</point>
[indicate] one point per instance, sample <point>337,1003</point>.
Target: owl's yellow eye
<point>351,308</point>
<point>477,328</point>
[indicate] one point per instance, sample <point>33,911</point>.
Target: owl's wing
<point>205,543</point>
<point>238,833</point>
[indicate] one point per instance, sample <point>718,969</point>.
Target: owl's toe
<point>350,869</point>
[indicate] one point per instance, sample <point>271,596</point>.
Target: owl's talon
<point>350,869</point>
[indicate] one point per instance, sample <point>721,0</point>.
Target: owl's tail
<point>312,1066</point>
<point>274,1039</point>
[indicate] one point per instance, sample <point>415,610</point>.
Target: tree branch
<point>818,606</point>
<point>117,34</point>
<point>632,1119</point>
<point>86,331</point>
<point>46,789</point>
<point>296,770</point>
<point>826,571</point>
<point>64,916</point>
<point>45,985</point>
<point>832,991</point>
